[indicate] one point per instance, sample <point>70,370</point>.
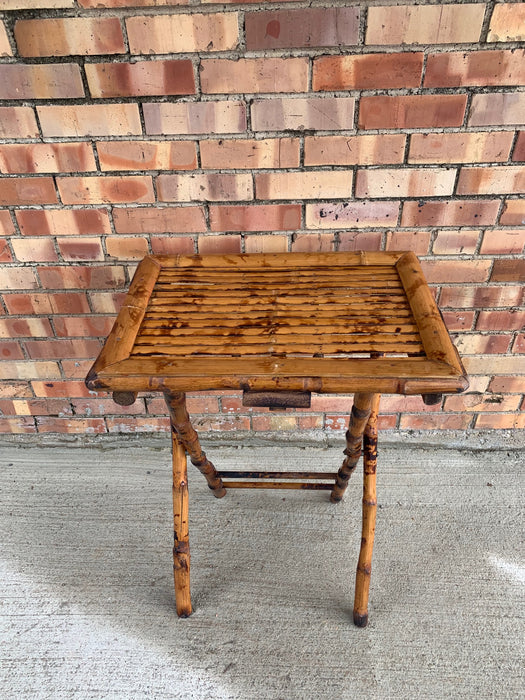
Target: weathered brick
<point>179,33</point>
<point>481,297</point>
<point>497,180</point>
<point>505,270</point>
<point>15,390</point>
<point>35,407</point>
<point>224,117</point>
<point>519,148</point>
<point>80,277</point>
<point>254,75</point>
<point>45,303</point>
<point>127,248</point>
<point>172,245</point>
<point>405,182</point>
<point>138,425</point>
<point>259,217</point>
<point>507,385</point>
<point>219,244</point>
<point>17,278</point>
<point>313,243</point>
<point>40,82</point>
<point>35,4</point>
<point>303,185</point>
<point>503,242</point>
<point>475,68</point>
<point>369,149</point>
<point>27,369</point>
<point>472,147</point>
<point>34,249</point>
<point>81,248</point>
<point>416,241</point>
<point>144,78</point>
<point>507,22</point>
<point>464,212</point>
<point>497,108</point>
<point>250,153</point>
<point>63,222</point>
<point>46,158</point>
<point>288,29</point>
<point>10,350</point>
<point>368,71</point>
<point>17,426</point>
<point>359,240</point>
<point>455,242</point>
<point>107,302</point>
<point>436,421</point>
<point>25,328</point>
<point>474,402</point>
<point>58,349</point>
<point>508,320</point>
<point>105,407</point>
<point>69,36</point>
<point>503,365</point>
<point>59,389</point>
<point>130,3</point>
<point>17,123</point>
<point>5,46</point>
<point>269,243</point>
<point>89,120</point>
<point>351,214</point>
<point>27,190</point>
<point>519,345</point>
<point>213,187</point>
<point>425,24</point>
<point>300,113</point>
<point>82,426</point>
<point>159,220</point>
<point>108,189</point>
<point>5,253</point>
<point>6,223</point>
<point>513,212</point>
<point>456,270</point>
<point>147,155</point>
<point>470,344</point>
<point>411,111</point>
<point>500,421</point>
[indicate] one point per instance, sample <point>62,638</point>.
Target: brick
<point>508,385</point>
<point>107,302</point>
<point>455,242</point>
<point>60,389</point>
<point>513,365</point>
<point>313,243</point>
<point>27,190</point>
<point>513,212</point>
<point>359,240</point>
<point>464,212</point>
<point>5,253</point>
<point>94,326</point>
<point>81,277</point>
<point>35,407</point>
<point>250,153</point>
<point>159,220</point>
<point>129,3</point>
<point>405,182</point>
<point>503,242</point>
<point>508,271</point>
<point>69,36</point>
<point>310,27</point>
<point>416,241</point>
<point>63,222</point>
<point>329,113</point>
<point>90,120</point>
<point>181,33</point>
<point>58,349</point>
<point>459,271</point>
<point>109,189</point>
<point>519,148</point>
<point>45,303</point>
<point>143,78</point>
<point>477,68</point>
<point>203,187</point>
<point>436,421</point>
<point>26,369</point>
<point>482,344</point>
<point>147,155</point>
<point>40,82</point>
<point>127,248</point>
<point>351,214</point>
<point>172,245</point>
<point>5,46</point>
<point>425,24</point>
<point>17,278</point>
<point>10,350</point>
<point>509,320</point>
<point>341,422</point>
<point>17,426</point>
<point>254,75</point>
<point>303,185</point>
<point>6,224</point>
<point>34,249</point>
<point>507,22</point>
<point>259,217</point>
<point>18,123</point>
<point>138,425</point>
<point>102,407</point>
<point>82,426</point>
<point>274,421</point>
<point>81,248</point>
<point>224,117</point>
<point>475,403</point>
<point>411,111</point>
<point>519,344</point>
<point>481,297</point>
<point>500,421</point>
<point>472,147</point>
<point>269,243</point>
<point>369,149</point>
<point>15,389</point>
<point>219,244</point>
<point>497,108</point>
<point>46,158</point>
<point>368,71</point>
<point>497,180</point>
<point>35,4</point>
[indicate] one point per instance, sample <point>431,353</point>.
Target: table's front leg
<point>181,540</point>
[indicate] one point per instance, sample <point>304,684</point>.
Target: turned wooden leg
<point>354,442</point>
<point>364,565</point>
<point>181,541</point>
<point>180,422</point>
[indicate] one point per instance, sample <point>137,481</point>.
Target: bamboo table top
<point>311,322</point>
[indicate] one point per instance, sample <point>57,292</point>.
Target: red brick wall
<point>129,127</point>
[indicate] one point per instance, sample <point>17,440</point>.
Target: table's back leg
<point>364,565</point>
<point>181,541</point>
<point>180,422</point>
<point>354,442</point>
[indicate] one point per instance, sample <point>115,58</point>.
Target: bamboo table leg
<point>364,565</point>
<point>181,541</point>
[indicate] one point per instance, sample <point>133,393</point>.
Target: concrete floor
<point>86,593</point>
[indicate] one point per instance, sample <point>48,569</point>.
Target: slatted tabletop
<point>313,322</point>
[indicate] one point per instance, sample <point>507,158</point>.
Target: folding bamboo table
<point>279,327</point>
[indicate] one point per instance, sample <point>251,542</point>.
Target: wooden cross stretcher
<point>279,327</point>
